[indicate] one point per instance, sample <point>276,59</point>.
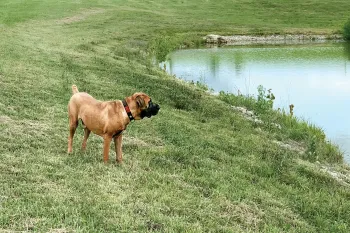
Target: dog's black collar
<point>127,109</point>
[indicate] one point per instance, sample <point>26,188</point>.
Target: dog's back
<point>81,101</point>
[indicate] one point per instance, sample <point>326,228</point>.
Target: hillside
<point>198,166</point>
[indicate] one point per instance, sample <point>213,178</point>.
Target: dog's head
<point>144,105</point>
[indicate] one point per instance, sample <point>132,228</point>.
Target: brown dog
<point>107,118</point>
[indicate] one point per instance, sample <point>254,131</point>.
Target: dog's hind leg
<point>73,124</point>
<point>86,136</point>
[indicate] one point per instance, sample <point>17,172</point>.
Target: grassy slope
<point>197,166</point>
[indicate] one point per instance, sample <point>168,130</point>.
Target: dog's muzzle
<point>152,110</point>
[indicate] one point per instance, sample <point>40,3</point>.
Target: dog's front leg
<point>118,148</point>
<point>106,144</point>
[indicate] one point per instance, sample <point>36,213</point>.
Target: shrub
<point>162,45</point>
<point>346,31</point>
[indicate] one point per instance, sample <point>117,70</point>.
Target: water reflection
<point>238,62</point>
<point>314,78</point>
<point>347,50</point>
<point>214,65</point>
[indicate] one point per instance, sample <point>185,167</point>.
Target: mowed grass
<point>198,166</point>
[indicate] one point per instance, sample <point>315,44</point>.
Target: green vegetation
<point>197,166</point>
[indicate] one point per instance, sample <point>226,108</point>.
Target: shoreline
<point>213,39</point>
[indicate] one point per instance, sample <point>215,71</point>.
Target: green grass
<point>198,166</point>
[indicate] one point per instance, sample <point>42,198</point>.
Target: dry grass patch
<point>59,230</point>
<point>81,16</point>
<point>133,141</point>
<point>291,145</point>
<point>247,214</point>
<point>5,120</point>
<point>339,172</point>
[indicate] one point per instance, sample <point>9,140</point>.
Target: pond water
<point>315,78</point>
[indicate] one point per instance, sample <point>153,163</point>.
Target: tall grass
<point>289,126</point>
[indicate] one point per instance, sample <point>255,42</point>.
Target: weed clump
<point>265,101</point>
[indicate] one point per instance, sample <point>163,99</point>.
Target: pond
<point>315,78</point>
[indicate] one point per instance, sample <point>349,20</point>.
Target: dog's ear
<point>140,102</point>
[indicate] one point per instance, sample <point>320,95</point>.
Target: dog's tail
<point>74,89</point>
